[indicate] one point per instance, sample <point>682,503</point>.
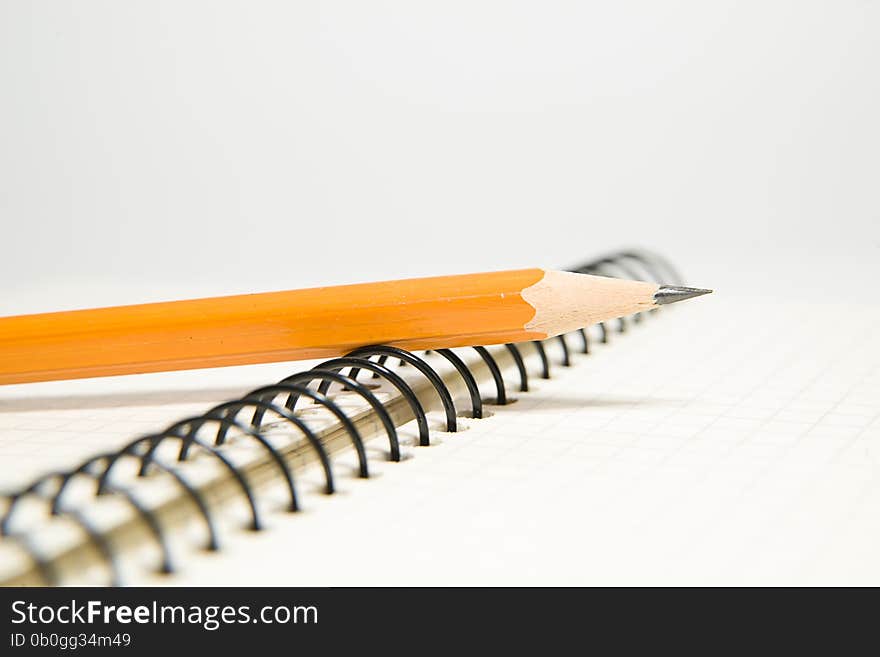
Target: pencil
<point>423,313</point>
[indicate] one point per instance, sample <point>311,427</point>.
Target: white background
<point>153,150</point>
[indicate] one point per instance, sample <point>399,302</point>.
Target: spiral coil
<point>246,417</point>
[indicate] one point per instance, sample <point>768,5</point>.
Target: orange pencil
<point>423,313</point>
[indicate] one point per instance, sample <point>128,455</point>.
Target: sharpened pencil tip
<point>672,293</point>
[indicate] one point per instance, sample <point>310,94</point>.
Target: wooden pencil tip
<point>672,293</point>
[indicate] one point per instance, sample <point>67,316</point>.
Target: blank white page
<point>722,443</point>
<point>57,424</point>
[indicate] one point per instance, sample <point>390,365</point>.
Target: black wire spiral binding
<point>51,488</point>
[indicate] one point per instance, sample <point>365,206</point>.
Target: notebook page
<point>690,450</point>
<point>54,425</point>
<point>693,450</point>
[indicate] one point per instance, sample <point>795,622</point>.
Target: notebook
<point>687,449</point>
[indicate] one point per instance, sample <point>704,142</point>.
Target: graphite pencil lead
<point>672,293</point>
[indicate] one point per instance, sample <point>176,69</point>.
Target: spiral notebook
<point>673,447</point>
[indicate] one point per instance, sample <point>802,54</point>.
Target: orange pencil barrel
<point>275,326</point>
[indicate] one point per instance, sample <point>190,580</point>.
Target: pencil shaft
<point>427,313</point>
<point>256,328</point>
